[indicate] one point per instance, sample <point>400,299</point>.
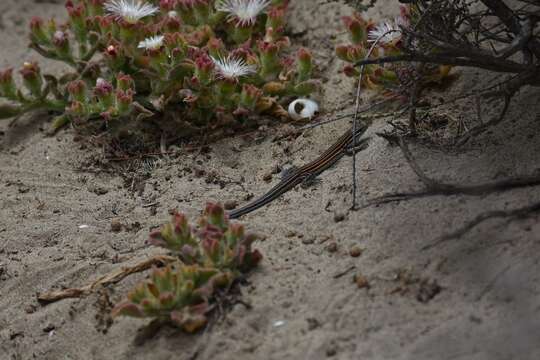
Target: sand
<point>473,298</point>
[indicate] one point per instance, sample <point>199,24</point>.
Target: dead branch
<point>111,278</point>
<point>521,212</point>
<point>433,187</point>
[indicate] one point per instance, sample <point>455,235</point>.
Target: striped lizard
<point>305,173</point>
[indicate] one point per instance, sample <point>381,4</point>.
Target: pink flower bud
<point>37,31</point>
<point>216,48</point>
<point>112,51</point>
<point>7,85</point>
<point>61,43</point>
<point>167,5</point>
<point>203,68</point>
<point>103,88</point>
<point>76,109</point>
<point>276,19</point>
<point>124,99</point>
<point>31,74</point>
<point>124,82</point>
<point>77,90</point>
<point>249,96</point>
<point>305,65</point>
<point>104,92</point>
<point>356,27</point>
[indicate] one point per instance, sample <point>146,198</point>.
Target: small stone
<point>230,204</point>
<point>276,169</point>
<point>268,176</point>
<point>290,234</point>
<point>361,281</point>
<point>332,247</point>
<point>98,190</point>
<point>313,323</point>
<point>339,217</point>
<point>30,309</point>
<point>116,225</point>
<point>331,350</point>
<point>308,240</point>
<point>49,327</point>
<point>355,251</point>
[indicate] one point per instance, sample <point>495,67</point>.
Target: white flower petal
<point>244,11</point>
<point>152,43</point>
<point>232,67</point>
<point>130,11</point>
<point>387,31</point>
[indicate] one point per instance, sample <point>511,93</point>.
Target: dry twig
<point>111,278</point>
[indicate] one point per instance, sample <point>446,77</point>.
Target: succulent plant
<point>211,255</point>
<point>386,39</point>
<point>214,61</point>
<point>178,295</point>
<point>215,243</point>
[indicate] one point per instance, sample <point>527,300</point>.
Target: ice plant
<point>383,39</point>
<point>212,63</point>
<point>180,296</point>
<point>211,256</point>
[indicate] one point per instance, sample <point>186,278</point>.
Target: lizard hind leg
<point>360,145</point>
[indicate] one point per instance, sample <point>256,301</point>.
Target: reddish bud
<point>76,109</point>
<point>350,71</point>
<point>167,5</point>
<point>103,88</point>
<point>31,74</point>
<point>203,68</point>
<point>37,31</point>
<point>124,99</point>
<point>77,90</point>
<point>356,27</point>
<point>124,82</point>
<point>7,85</point>
<point>276,19</point>
<point>249,96</point>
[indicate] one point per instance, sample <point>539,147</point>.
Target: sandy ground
<point>488,306</point>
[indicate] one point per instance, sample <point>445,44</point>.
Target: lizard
<point>306,173</point>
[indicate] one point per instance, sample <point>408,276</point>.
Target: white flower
<point>233,67</point>
<point>130,11</point>
<point>388,31</point>
<point>243,11</point>
<point>152,43</point>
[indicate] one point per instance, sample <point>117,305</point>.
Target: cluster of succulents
<point>211,256</point>
<point>213,61</point>
<point>383,39</point>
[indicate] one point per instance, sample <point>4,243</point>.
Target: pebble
<point>361,281</point>
<point>49,327</point>
<point>308,240</point>
<point>268,176</point>
<point>339,216</point>
<point>230,204</point>
<point>355,251</point>
<point>332,247</point>
<point>116,225</point>
<point>290,234</point>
